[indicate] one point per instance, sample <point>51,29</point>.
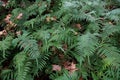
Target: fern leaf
<point>5,44</point>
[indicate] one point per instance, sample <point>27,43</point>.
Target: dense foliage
<point>60,39</point>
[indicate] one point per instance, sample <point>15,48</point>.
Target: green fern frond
<point>5,45</point>
<point>7,74</point>
<point>87,44</point>
<point>29,45</point>
<point>64,76</point>
<point>22,66</point>
<point>63,36</point>
<point>114,15</point>
<point>109,30</point>
<point>110,55</point>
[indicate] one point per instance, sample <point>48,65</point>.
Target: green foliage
<point>5,44</point>
<point>80,37</point>
<point>65,76</point>
<point>28,45</point>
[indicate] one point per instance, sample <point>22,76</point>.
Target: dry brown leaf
<point>7,19</point>
<point>56,67</point>
<point>78,26</point>
<point>18,32</point>
<point>81,78</point>
<point>76,33</point>
<point>53,18</point>
<point>61,56</point>
<point>70,66</point>
<point>10,24</point>
<point>20,16</point>
<point>40,43</point>
<point>3,33</point>
<point>65,47</point>
<point>111,23</point>
<point>48,18</point>
<point>5,2</point>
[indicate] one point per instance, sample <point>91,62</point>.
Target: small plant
<point>59,40</point>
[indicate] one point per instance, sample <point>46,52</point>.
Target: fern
<point>59,32</point>
<point>64,76</point>
<point>5,45</point>
<point>83,46</point>
<point>29,45</point>
<point>7,74</point>
<point>112,29</point>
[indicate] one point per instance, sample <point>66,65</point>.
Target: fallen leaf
<point>56,67</point>
<point>61,56</point>
<point>4,2</point>
<point>76,33</point>
<point>53,18</point>
<point>3,33</point>
<point>20,16</point>
<point>111,23</point>
<point>40,43</point>
<point>18,32</point>
<point>7,19</point>
<point>70,66</point>
<point>81,78</point>
<point>65,47</point>
<point>78,26</point>
<point>48,18</point>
